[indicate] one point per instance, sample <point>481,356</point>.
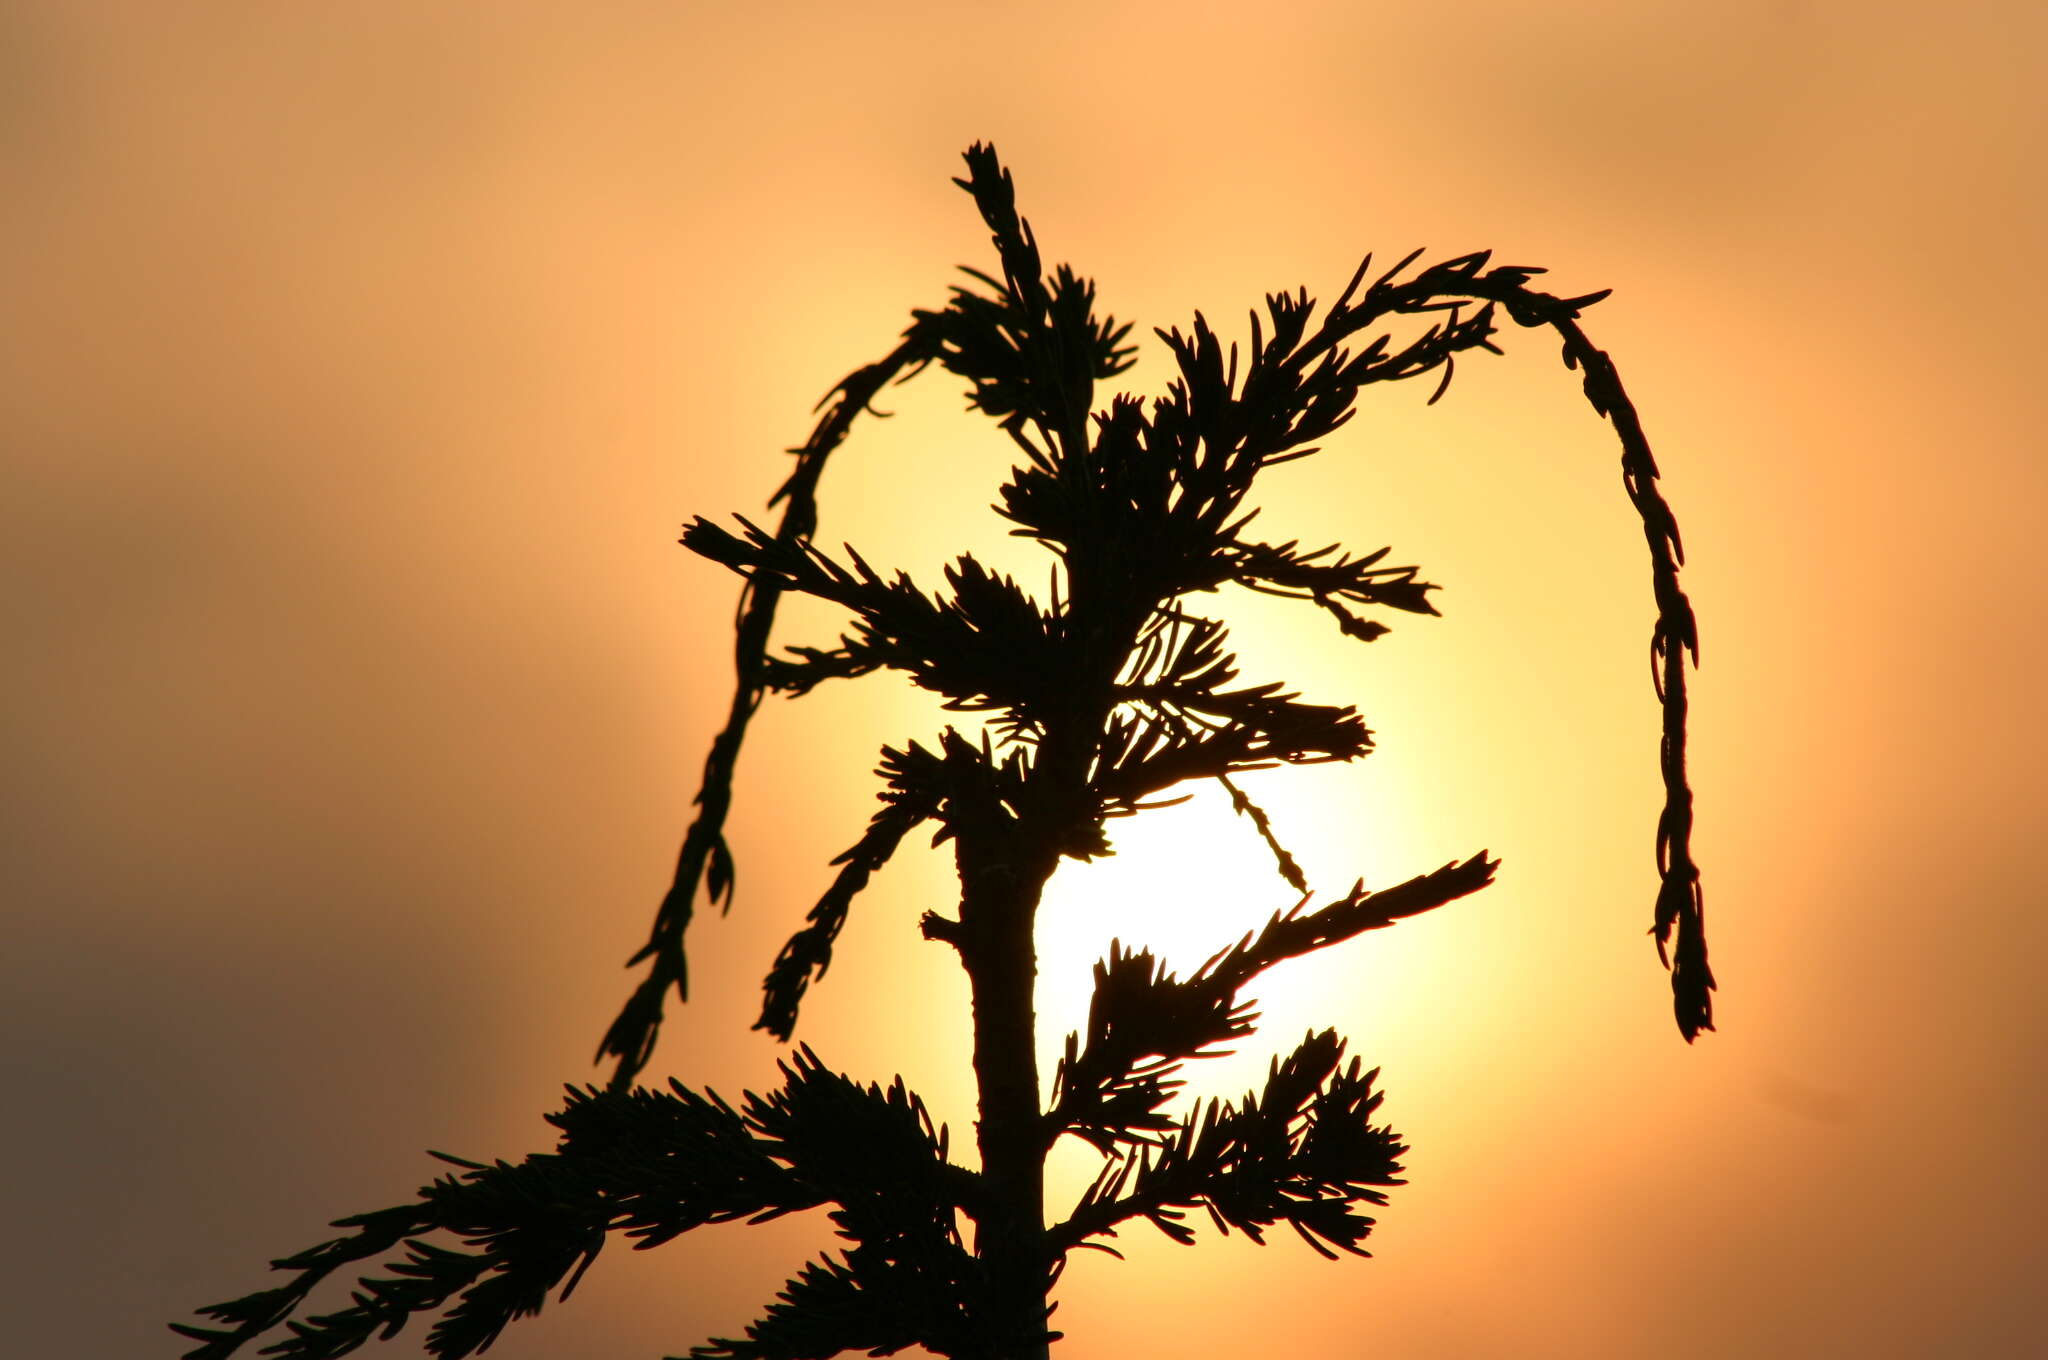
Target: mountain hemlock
<point>1093,703</point>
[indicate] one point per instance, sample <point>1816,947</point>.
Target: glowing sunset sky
<point>360,362</point>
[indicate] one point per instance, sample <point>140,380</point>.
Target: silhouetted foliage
<point>1095,702</point>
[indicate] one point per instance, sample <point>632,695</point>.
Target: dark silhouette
<point>1095,702</point>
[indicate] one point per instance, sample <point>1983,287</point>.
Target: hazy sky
<point>359,363</point>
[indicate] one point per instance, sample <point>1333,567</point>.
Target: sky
<point>361,362</point>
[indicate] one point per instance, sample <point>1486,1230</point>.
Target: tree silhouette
<point>1091,704</point>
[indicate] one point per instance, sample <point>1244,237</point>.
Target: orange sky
<point>360,362</point>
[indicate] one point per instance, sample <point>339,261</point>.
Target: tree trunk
<point>999,902</point>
